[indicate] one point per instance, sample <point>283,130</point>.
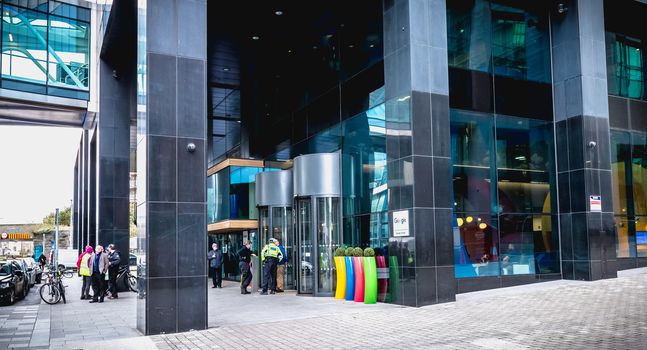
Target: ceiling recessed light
<point>351,46</point>
<point>278,12</point>
<point>226,69</point>
<point>256,37</point>
<point>314,47</point>
<point>372,45</point>
<point>289,51</point>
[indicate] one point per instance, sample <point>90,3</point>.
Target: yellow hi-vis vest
<point>272,251</point>
<point>84,270</point>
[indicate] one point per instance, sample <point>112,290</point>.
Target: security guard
<point>270,255</point>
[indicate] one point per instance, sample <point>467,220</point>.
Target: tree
<point>63,217</point>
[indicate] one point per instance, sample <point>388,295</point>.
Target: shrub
<point>358,251</point>
<point>369,252</point>
<point>340,251</point>
<point>349,251</point>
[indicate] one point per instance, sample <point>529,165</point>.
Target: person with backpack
<point>215,264</point>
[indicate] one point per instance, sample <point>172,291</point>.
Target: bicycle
<point>129,280</point>
<point>53,290</point>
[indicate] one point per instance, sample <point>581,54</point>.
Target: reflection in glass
<point>621,171</point>
<point>625,237</point>
<point>509,39</point>
<point>39,50</point>
<point>475,245</point>
<point>641,236</point>
<point>524,161</point>
<point>328,239</point>
<point>306,253</point>
<point>283,231</point>
<point>528,245</point>
<point>639,173</point>
<point>211,199</point>
<point>242,197</point>
<point>625,66</point>
<point>221,190</point>
<point>473,162</point>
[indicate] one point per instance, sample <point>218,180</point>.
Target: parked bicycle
<point>53,290</point>
<point>129,280</point>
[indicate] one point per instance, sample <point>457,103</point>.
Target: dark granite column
<point>116,108</point>
<point>583,145</point>
<point>75,205</point>
<point>418,150</point>
<point>84,208</point>
<point>92,190</point>
<point>171,165</point>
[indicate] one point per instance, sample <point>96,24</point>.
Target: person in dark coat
<point>215,264</point>
<point>114,260</point>
<point>244,261</point>
<point>99,269</point>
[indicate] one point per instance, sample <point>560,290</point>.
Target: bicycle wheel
<point>49,293</point>
<point>68,274</point>
<point>61,287</point>
<point>132,283</point>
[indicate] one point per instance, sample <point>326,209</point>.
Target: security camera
<point>190,147</point>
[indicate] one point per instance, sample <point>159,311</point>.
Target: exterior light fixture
<point>372,45</point>
<point>256,37</point>
<point>226,69</point>
<point>278,13</point>
<point>190,147</point>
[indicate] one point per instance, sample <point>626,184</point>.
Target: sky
<point>36,171</point>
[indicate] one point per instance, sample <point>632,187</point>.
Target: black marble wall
<point>116,108</point>
<point>418,149</point>
<point>172,211</point>
<point>583,141</point>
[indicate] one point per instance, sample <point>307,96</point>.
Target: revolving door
<point>317,214</point>
<point>274,201</point>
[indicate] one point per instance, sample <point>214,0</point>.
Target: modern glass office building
<point>510,133</point>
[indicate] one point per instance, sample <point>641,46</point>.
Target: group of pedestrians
<point>97,267</point>
<point>273,257</point>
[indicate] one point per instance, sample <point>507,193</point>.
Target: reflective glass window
<point>528,244</point>
<point>242,196</point>
<point>24,46</point>
<point>621,171</point>
<point>468,35</point>
<point>625,237</point>
<point>641,236</point>
<point>211,199</point>
<point>221,185</point>
<point>639,173</point>
<point>69,59</point>
<point>476,245</point>
<point>625,66</point>
<point>525,164</point>
<point>473,161</point>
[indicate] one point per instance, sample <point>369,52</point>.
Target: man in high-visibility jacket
<point>270,255</point>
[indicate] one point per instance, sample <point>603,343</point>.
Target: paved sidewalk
<point>31,323</point>
<point>608,314</point>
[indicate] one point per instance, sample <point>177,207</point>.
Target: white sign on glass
<point>401,223</point>
<point>596,203</point>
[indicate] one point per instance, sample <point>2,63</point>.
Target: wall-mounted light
<point>190,147</point>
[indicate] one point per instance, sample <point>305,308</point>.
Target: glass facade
<point>625,66</point>
<point>231,194</point>
<point>629,179</point>
<point>503,177</point>
<point>46,48</point>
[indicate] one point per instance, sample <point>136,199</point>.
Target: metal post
<point>55,255</point>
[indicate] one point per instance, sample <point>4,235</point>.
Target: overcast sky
<point>36,171</point>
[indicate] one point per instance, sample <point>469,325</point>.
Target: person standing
<point>99,268</point>
<point>42,260</point>
<point>244,261</point>
<point>215,264</point>
<point>114,260</point>
<point>84,266</point>
<point>270,256</point>
<point>280,269</point>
